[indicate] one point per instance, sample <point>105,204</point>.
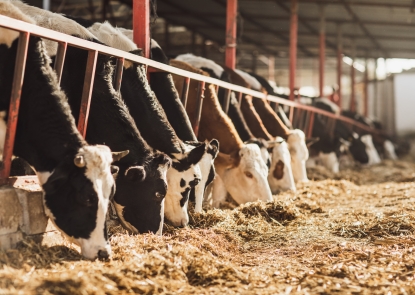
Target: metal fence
<point>302,116</point>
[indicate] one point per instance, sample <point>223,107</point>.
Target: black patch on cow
<point>182,182</point>
<point>185,197</point>
<point>213,148</point>
<point>211,176</point>
<point>157,54</point>
<point>278,172</point>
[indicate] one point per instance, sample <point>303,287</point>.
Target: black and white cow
<point>141,180</point>
<point>156,129</point>
<point>75,177</point>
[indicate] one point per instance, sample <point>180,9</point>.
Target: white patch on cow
<point>199,62</point>
<point>265,155</point>
<point>7,9</point>
<point>305,100</point>
<point>160,230</point>
<point>43,176</point>
<point>371,151</point>
<point>335,108</point>
<point>329,161</point>
<point>119,209</point>
<point>174,213</point>
<point>280,152</point>
<point>247,182</point>
<point>252,81</point>
<point>299,154</point>
<point>204,165</point>
<point>53,21</point>
<point>389,150</point>
<point>130,35</point>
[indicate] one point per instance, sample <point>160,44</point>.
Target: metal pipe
<point>225,106</point>
<point>310,126</point>
<point>119,68</point>
<point>141,25</point>
<point>365,94</point>
<point>87,91</point>
<point>46,4</point>
<point>240,99</point>
<point>322,49</point>
<point>231,17</point>
<point>13,114</point>
<point>199,103</point>
<point>353,78</point>
<point>339,64</point>
<point>293,45</point>
<point>60,59</point>
<point>185,91</point>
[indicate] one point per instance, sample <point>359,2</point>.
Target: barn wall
<point>405,103</point>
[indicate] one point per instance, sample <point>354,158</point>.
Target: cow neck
<point>147,112</point>
<point>252,119</point>
<point>238,120</point>
<point>166,93</point>
<point>270,119</point>
<point>42,140</point>
<point>116,128</point>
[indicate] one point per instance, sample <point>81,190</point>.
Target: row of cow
<point>157,162</point>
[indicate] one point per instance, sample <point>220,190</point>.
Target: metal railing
<point>302,115</point>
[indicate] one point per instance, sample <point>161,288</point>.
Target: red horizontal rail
<point>20,26</point>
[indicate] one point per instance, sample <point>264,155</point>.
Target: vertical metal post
<point>46,4</point>
<point>60,59</point>
<point>141,25</point>
<point>200,97</point>
<point>365,94</point>
<point>339,63</point>
<point>185,91</point>
<point>240,98</point>
<point>87,91</point>
<point>271,68</point>
<point>291,115</point>
<point>310,125</point>
<point>217,89</point>
<point>376,92</point>
<point>231,15</point>
<point>322,49</point>
<point>13,115</point>
<point>119,68</point>
<point>353,79</point>
<point>293,45</point>
<point>225,106</point>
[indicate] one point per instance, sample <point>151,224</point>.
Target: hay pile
<point>331,236</point>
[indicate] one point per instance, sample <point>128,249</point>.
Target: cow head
<point>263,146</point>
<point>371,151</point>
<point>244,174</point>
<point>280,176</point>
<point>299,154</point>
<point>76,198</point>
<point>141,189</point>
<point>330,161</point>
<point>182,178</point>
<point>357,148</point>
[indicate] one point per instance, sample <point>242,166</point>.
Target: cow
<point>141,181</point>
<point>75,177</point>
<point>240,168</point>
<point>155,128</point>
<point>295,138</point>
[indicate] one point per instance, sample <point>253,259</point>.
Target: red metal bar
<point>293,45</point>
<point>339,64</point>
<point>217,89</point>
<point>87,91</point>
<point>225,106</point>
<point>13,115</point>
<point>310,126</point>
<point>291,115</point>
<point>322,50</point>
<point>231,17</point>
<point>60,59</point>
<point>366,96</point>
<point>119,68</point>
<point>185,91</point>
<point>353,80</point>
<point>200,97</point>
<point>141,25</point>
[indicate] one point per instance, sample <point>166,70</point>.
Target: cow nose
<point>184,222</point>
<point>103,254</point>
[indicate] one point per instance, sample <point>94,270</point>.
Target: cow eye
<point>248,174</point>
<point>159,196</point>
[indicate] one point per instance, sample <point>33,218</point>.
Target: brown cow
<point>240,168</point>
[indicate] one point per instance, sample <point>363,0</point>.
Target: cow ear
<point>213,148</point>
<point>273,143</point>
<point>114,170</point>
<point>116,156</point>
<point>162,160</point>
<point>196,154</point>
<point>55,180</point>
<point>135,173</point>
<point>311,141</point>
